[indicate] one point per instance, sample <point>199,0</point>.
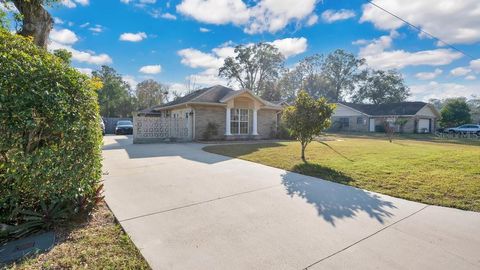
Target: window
<point>361,121</point>
<point>344,122</point>
<point>239,121</point>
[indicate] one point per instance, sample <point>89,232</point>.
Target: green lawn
<point>431,172</point>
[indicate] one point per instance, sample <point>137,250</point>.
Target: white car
<point>468,128</point>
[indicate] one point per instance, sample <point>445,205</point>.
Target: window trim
<point>237,112</point>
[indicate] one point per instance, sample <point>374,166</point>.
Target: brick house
<point>235,114</point>
<point>419,117</point>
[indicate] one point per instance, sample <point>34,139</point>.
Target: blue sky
<point>171,41</point>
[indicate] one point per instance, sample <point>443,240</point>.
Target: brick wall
<point>205,114</point>
<point>266,120</point>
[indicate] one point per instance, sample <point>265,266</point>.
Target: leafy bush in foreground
<point>50,144</point>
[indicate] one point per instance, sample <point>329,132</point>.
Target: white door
<point>423,125</point>
<point>372,125</point>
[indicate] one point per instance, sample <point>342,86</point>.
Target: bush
<point>210,131</point>
<point>282,132</point>
<point>50,144</point>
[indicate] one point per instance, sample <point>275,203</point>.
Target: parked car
<point>468,128</point>
<point>102,125</point>
<point>124,127</point>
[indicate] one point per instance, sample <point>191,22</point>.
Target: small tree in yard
<point>307,118</point>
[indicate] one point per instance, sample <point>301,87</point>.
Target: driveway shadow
<point>190,151</point>
<point>335,201</point>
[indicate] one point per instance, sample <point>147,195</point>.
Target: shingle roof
<point>400,108</point>
<point>209,95</point>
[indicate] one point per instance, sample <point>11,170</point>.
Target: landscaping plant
<point>307,118</point>
<point>50,148</point>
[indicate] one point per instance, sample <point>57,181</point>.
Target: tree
<point>253,67</point>
<point>50,143</point>
<point>36,21</point>
<point>342,70</point>
<point>474,105</point>
<point>63,54</point>
<point>114,97</point>
<point>150,93</point>
<point>307,118</point>
<point>455,112</point>
<point>381,87</point>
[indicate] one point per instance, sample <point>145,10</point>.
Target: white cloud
<point>126,1</point>
<point>84,25</point>
<point>360,42</point>
<point>69,3</point>
<point>264,16</point>
<point>451,21</point>
<point>96,29</point>
<point>475,65</point>
<point>378,57</point>
<point>204,30</point>
<point>168,16</point>
<point>147,1</point>
<point>63,36</point>
<point>73,3</point>
<point>133,37</point>
<point>157,14</point>
<point>274,15</point>
<point>313,19</point>
<point>58,20</point>
<point>460,71</point>
<point>86,71</point>
<point>291,46</point>
<point>82,56</point>
<point>130,80</point>
<point>83,2</point>
<point>428,75</point>
<point>207,77</point>
<point>441,90</point>
<point>197,59</point>
<point>215,12</point>
<point>151,69</point>
<point>330,15</point>
<point>470,77</point>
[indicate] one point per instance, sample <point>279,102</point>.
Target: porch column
<point>227,122</point>
<point>254,128</point>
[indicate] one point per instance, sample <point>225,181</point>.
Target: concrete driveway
<point>188,209</point>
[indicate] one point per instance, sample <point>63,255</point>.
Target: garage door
<point>423,126</point>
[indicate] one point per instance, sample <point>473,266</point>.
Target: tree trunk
<point>37,22</point>
<point>304,145</point>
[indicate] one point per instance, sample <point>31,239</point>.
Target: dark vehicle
<point>124,127</point>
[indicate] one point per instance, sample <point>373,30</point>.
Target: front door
<point>372,125</point>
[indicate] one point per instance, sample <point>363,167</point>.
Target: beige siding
<point>361,126</point>
<point>426,111</point>
<point>343,110</point>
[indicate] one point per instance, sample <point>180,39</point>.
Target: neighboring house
<point>418,117</point>
<point>235,114</point>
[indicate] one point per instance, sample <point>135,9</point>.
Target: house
<point>418,117</point>
<point>233,114</point>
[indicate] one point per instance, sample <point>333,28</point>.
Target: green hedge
<point>50,144</point>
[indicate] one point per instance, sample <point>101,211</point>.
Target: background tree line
<point>261,68</point>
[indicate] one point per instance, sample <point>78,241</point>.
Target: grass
<point>94,243</point>
<point>427,171</point>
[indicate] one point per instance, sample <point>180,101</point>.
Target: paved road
<point>188,209</point>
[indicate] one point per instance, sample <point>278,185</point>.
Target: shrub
<point>50,144</point>
<point>210,131</point>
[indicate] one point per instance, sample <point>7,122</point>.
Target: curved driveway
<point>188,209</point>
